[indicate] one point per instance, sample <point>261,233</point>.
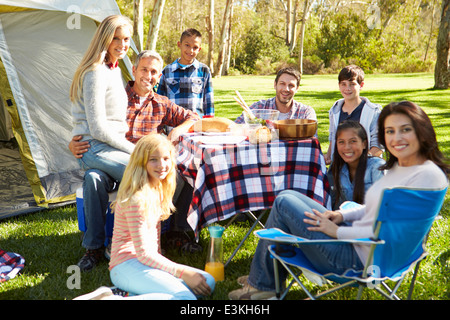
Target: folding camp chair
<point>405,217</point>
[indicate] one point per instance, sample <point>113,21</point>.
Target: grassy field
<point>50,241</point>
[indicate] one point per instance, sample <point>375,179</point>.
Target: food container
<point>262,114</point>
<point>296,128</point>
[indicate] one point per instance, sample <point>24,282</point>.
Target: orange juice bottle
<point>216,269</point>
<point>214,265</point>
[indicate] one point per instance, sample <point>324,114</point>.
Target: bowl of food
<point>261,116</point>
<point>296,128</point>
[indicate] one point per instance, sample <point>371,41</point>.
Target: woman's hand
<point>196,282</point>
<point>326,222</point>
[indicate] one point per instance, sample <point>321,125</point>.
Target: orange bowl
<point>296,128</point>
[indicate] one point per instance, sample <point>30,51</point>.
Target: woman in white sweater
<point>413,160</point>
<point>99,100</point>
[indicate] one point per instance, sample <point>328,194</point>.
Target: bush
<point>312,64</point>
<point>407,65</point>
<point>259,50</point>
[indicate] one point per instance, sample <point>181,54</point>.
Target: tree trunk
<point>223,40</point>
<point>441,71</point>
<point>210,29</point>
<point>302,35</point>
<point>289,22</point>
<point>228,47</point>
<point>155,23</point>
<point>138,23</point>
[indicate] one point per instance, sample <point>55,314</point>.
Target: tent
<point>41,45</point>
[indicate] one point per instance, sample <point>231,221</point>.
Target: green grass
<point>50,241</point>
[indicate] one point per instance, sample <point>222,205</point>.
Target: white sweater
<point>101,112</point>
<point>426,176</point>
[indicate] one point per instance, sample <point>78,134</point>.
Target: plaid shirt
<point>155,112</point>
<point>298,110</point>
<point>188,86</point>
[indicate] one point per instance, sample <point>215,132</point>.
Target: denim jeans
<point>103,157</point>
<point>287,214</point>
<point>138,279</point>
<point>96,186</point>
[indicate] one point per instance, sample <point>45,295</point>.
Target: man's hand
<point>78,147</point>
<point>176,132</point>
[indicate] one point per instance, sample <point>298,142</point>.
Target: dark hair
<point>351,72</point>
<point>291,71</point>
<point>191,32</point>
<point>338,163</point>
<point>424,131</point>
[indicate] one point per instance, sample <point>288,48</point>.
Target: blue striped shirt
<point>188,86</point>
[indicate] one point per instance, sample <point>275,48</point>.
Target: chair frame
<point>366,279</point>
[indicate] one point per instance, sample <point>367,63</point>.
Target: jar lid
<point>216,231</point>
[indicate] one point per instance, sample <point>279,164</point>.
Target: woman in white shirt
<point>413,160</point>
<point>100,101</point>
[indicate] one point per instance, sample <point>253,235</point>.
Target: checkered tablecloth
<point>228,179</point>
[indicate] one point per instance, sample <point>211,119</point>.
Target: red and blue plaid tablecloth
<point>228,179</point>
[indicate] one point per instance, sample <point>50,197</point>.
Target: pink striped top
<point>136,236</point>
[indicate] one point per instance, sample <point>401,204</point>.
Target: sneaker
<point>242,280</point>
<point>250,293</point>
<point>90,259</point>
<point>191,247</point>
<point>119,292</point>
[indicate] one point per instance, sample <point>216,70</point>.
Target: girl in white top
<point>413,160</point>
<point>100,101</point>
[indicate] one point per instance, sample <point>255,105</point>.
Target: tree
<point>155,23</point>
<point>302,34</point>
<point>138,23</point>
<point>210,30</point>
<point>223,38</point>
<point>442,71</point>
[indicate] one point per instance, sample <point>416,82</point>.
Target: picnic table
<point>230,175</point>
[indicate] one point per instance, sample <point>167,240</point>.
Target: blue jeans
<point>287,214</point>
<point>137,278</point>
<point>96,186</point>
<point>103,157</point>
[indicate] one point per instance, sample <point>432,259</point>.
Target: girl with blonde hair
<point>99,100</point>
<point>144,200</point>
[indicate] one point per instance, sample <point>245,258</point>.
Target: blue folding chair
<point>405,217</point>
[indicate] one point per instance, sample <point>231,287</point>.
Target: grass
<point>50,241</point>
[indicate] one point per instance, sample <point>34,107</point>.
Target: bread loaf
<point>216,124</point>
<point>260,135</point>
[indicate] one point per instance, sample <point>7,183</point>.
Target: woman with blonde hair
<point>144,200</point>
<point>99,100</point>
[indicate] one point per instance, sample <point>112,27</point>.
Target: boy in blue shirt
<point>354,107</point>
<point>186,81</point>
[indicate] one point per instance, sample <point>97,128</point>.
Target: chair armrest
<point>277,235</point>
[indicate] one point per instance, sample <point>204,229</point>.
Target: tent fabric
<point>41,44</point>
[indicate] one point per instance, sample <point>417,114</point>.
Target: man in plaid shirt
<point>186,81</point>
<point>147,113</point>
<point>286,86</point>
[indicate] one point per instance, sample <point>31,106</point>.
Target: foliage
<point>259,51</point>
<point>394,38</point>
